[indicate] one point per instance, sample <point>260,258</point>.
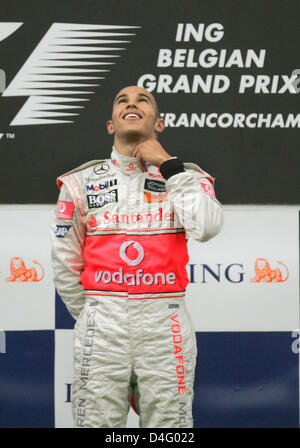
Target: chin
<point>133,134</point>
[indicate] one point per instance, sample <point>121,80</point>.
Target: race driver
<point>119,250</point>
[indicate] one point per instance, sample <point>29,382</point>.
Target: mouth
<point>131,116</point>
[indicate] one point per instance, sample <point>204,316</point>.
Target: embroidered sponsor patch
<point>155,174</point>
<point>61,231</point>
<point>99,200</point>
<point>155,185</point>
<point>93,222</point>
<point>65,210</point>
<point>208,189</point>
<point>101,168</point>
<point>103,186</point>
<point>115,162</point>
<point>130,167</point>
<point>155,197</point>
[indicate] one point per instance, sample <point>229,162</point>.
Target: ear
<point>159,125</point>
<point>110,128</point>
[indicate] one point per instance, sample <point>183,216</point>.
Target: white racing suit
<point>119,250</point>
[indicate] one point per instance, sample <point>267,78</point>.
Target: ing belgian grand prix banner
<point>226,77</point>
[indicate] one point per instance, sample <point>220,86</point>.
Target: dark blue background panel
<point>246,380</point>
<point>63,319</point>
<point>27,380</point>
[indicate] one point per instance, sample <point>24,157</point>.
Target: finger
<point>138,155</point>
<point>140,162</point>
<point>136,150</point>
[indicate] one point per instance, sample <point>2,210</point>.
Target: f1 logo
<point>42,78</point>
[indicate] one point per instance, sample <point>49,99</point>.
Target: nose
<point>131,103</point>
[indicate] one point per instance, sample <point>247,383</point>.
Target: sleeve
<point>191,192</point>
<point>67,235</point>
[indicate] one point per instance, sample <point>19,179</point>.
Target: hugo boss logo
<point>99,200</point>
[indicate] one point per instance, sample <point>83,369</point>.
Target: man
<point>119,255</point>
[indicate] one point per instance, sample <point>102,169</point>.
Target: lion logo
<point>264,273</point>
<point>19,272</point>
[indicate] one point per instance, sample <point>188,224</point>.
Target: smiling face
<point>135,115</point>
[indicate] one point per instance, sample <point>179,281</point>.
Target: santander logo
<point>93,222</point>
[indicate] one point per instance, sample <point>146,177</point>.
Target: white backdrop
<point>220,297</point>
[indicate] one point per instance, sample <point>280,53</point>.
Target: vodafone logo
<point>138,277</point>
<point>131,167</point>
<point>65,210</point>
<point>61,207</point>
<point>208,189</point>
<point>139,249</point>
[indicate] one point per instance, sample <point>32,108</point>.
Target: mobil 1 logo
<point>99,200</point>
<point>103,186</point>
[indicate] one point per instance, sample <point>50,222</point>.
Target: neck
<point>126,147</point>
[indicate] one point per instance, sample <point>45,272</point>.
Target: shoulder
<point>199,172</point>
<point>86,170</point>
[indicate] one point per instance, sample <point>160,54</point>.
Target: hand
<point>150,151</point>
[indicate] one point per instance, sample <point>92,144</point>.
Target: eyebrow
<point>125,95</point>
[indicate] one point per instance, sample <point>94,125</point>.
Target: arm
<point>67,240</point>
<point>191,191</point>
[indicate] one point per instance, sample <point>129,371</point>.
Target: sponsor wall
<point>243,297</point>
<point>227,87</point>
